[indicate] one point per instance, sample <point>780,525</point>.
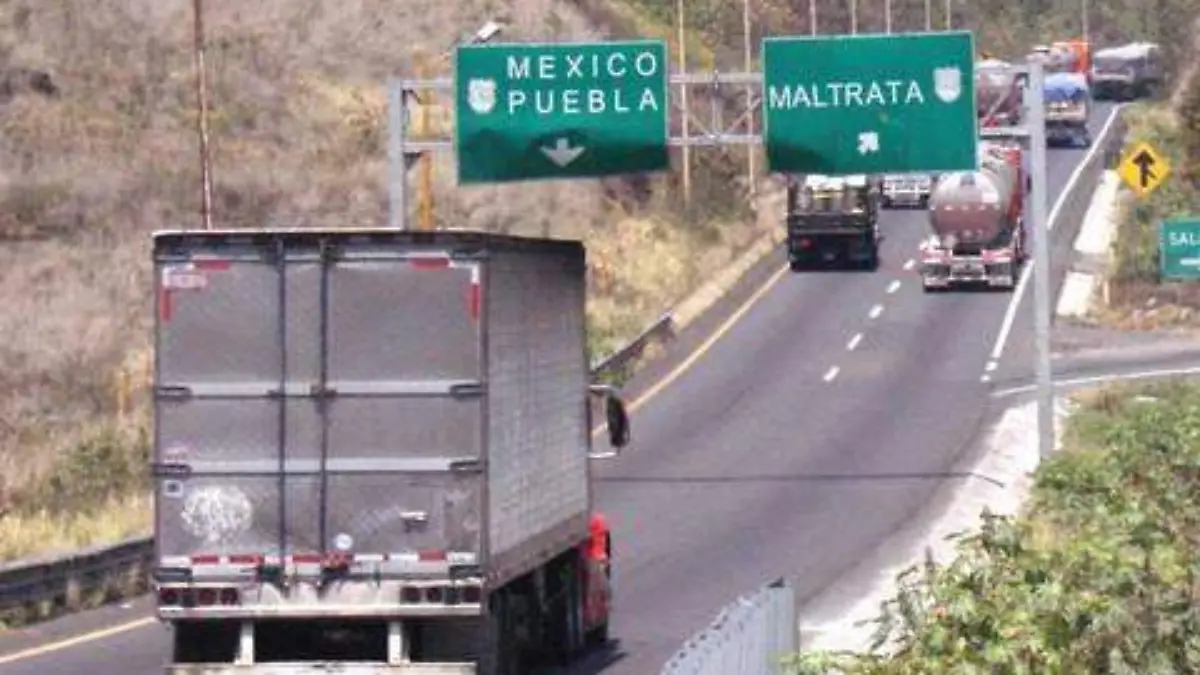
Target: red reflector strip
<point>431,556</point>
<point>206,559</point>
<point>474,295</point>
<point>246,559</point>
<point>307,559</point>
<point>430,263</point>
<point>211,264</point>
<point>164,304</point>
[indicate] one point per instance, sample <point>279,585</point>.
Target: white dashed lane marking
<point>831,373</point>
<point>854,341</point>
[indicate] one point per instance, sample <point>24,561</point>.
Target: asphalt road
<point>819,424</point>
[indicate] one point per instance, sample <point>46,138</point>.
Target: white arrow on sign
<point>562,153</point>
<point>868,141</point>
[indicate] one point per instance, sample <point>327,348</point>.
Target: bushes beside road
<point>1101,575</point>
<point>1137,298</point>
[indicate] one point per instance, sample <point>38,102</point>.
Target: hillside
<point>98,148</point>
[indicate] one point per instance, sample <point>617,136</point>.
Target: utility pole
<point>752,174</point>
<point>683,98</point>
<point>812,17</point>
<point>949,21</point>
<point>854,17</point>
<point>928,16</point>
<point>425,177</point>
<point>202,104</point>
<point>1084,20</point>
<point>887,16</point>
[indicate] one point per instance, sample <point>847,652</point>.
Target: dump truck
<point>372,451</point>
<point>833,220</point>
<point>977,223</point>
<point>1068,102</point>
<point>998,93</point>
<point>1127,72</point>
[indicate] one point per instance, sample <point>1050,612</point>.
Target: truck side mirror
<point>616,419</point>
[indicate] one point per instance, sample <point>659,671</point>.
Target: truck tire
<point>564,631</point>
<point>502,655</point>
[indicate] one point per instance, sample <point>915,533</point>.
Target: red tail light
<point>806,243</point>
<point>168,596</point>
<point>206,597</point>
<point>472,595</point>
<point>410,595</point>
<point>229,596</point>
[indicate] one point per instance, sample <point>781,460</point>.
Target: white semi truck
<point>372,453</point>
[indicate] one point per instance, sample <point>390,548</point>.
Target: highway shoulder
<point>56,634</point>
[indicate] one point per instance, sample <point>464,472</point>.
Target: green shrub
<point>1101,576</point>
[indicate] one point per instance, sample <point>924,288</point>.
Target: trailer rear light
<point>410,595</point>
<point>472,595</point>
<point>168,596</point>
<point>229,596</point>
<point>435,594</point>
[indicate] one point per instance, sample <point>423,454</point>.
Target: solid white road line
<point>831,373</point>
<point>1010,314</point>
<point>854,341</point>
<point>1100,379</point>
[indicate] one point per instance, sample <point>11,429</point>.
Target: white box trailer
<point>372,452</point>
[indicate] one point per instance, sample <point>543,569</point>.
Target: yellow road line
<point>633,405</point>
<point>52,647</point>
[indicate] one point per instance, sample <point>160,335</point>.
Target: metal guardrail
<point>751,636</point>
<point>47,587</point>
<point>38,589</point>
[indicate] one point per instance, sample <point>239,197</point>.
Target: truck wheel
<point>565,633</point>
<point>503,654</point>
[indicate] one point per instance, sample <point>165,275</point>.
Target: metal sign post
<point>1033,132</point>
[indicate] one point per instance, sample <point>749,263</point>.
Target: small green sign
<point>570,110</point>
<point>851,104</point>
<point>1179,248</point>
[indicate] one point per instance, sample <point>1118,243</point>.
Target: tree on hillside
<point>1189,128</point>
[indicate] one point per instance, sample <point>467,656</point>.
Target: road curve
<point>808,433</point>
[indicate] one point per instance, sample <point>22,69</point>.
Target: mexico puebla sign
<point>1179,248</point>
<point>870,104</point>
<point>537,111</point>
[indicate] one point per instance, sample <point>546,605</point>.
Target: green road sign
<point>538,111</point>
<point>1179,248</point>
<point>851,104</point>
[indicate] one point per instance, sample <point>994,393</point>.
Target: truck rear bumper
<point>828,247</point>
<point>944,275</point>
<point>321,668</point>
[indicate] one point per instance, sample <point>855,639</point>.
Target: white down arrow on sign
<point>562,153</point>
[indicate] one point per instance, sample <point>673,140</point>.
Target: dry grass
<point>298,129</point>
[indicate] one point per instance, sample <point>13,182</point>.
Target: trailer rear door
<point>316,394</point>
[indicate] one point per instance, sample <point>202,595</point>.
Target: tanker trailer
<point>976,218</point>
<point>998,97</point>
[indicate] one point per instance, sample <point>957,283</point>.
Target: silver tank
<point>996,90</point>
<point>972,207</point>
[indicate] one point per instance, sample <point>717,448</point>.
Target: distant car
<point>908,189</point>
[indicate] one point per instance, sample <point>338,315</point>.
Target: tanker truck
<point>372,453</point>
<point>977,226</point>
<point>998,93</point>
